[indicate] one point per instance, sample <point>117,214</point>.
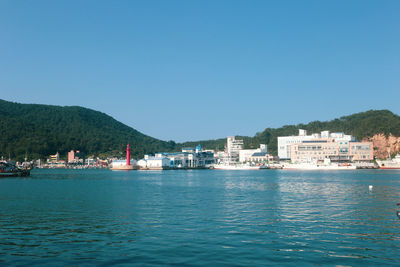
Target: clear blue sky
<point>191,70</point>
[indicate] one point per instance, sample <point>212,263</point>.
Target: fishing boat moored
<point>11,170</point>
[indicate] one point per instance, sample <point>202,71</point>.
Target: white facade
<point>284,142</point>
<point>233,147</point>
<point>119,163</point>
<point>259,157</point>
<point>188,158</point>
<point>247,154</point>
<point>154,163</point>
<point>200,159</point>
<point>142,163</point>
<point>158,162</point>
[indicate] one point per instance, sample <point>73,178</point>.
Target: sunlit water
<point>201,217</point>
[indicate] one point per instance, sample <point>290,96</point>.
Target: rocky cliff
<point>384,145</point>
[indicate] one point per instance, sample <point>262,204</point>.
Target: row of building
<point>72,157</point>
<point>75,159</point>
<point>302,148</point>
<point>188,158</point>
<point>195,158</point>
<point>235,153</point>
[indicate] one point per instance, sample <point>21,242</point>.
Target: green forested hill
<point>360,125</point>
<point>41,130</point>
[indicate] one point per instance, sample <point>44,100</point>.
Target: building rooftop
<point>259,154</point>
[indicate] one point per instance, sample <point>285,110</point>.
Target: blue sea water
<point>200,218</point>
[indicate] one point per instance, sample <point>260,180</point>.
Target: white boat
<point>239,167</point>
<point>389,163</point>
<point>309,166</point>
<point>326,165</point>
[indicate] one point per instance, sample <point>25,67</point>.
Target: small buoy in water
<point>370,187</point>
<point>398,214</point>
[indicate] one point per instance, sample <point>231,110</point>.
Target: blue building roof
<point>259,154</point>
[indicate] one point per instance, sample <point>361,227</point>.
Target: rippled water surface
<point>200,217</point>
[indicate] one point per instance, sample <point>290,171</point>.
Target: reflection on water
<point>200,217</point>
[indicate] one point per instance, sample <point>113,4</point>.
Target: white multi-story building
<point>284,142</point>
<point>233,146</point>
<point>301,148</point>
<point>338,150</point>
<point>235,153</point>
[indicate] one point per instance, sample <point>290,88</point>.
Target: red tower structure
<point>128,155</point>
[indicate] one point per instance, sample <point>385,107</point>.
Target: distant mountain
<point>361,125</point>
<point>41,130</point>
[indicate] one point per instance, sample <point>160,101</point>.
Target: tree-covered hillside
<point>360,125</point>
<point>41,130</point>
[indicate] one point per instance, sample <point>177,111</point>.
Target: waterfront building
<point>54,162</point>
<point>74,157</point>
<point>71,156</point>
<point>154,163</point>
<point>259,157</point>
<point>121,164</point>
<point>232,149</point>
<point>337,147</point>
<point>188,158</point>
<point>234,153</point>
<point>285,142</point>
<point>99,163</point>
<point>54,158</point>
<point>254,155</point>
